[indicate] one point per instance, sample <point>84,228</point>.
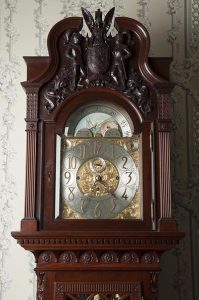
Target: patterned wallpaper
<point>174,30</point>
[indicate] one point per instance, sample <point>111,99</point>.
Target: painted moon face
<point>97,120</point>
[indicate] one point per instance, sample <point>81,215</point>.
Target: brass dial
<point>97,177</point>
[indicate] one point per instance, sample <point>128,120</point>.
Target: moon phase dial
<point>99,120</point>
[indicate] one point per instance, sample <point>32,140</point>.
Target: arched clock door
<point>98,186</point>
<point>99,177</point>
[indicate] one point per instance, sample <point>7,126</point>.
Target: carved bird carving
<point>91,23</point>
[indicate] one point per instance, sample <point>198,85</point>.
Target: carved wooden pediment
<point>99,59</point>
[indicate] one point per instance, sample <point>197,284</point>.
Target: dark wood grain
<point>98,256</point>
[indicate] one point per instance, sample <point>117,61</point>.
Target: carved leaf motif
<point>108,19</point>
<point>88,19</point>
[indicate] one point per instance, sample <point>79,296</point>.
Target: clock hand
<point>104,183</point>
<point>100,123</point>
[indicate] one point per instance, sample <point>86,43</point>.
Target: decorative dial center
<point>97,177</point>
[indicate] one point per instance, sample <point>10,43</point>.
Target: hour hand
<point>99,179</point>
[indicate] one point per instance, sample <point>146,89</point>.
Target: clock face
<point>99,178</point>
<point>99,167</point>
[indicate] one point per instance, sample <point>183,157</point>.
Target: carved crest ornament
<point>97,60</point>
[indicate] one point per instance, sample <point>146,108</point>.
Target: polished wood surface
<point>106,257</point>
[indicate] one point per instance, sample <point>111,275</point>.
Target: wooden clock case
<point>97,259</point>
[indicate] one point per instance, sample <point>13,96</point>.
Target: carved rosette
<point>68,257</point>
<point>88,257</point>
<point>130,257</point>
<point>47,257</point>
<point>109,257</point>
<point>93,257</point>
<point>150,258</point>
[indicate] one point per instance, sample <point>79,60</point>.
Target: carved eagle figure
<point>98,23</point>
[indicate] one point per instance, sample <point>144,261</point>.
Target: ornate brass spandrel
<point>68,213</point>
<point>134,210</point>
<point>130,144</point>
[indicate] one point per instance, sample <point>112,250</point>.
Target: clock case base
<point>102,263</point>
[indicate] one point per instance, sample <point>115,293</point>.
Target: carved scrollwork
<point>99,60</point>
<point>139,92</point>
<point>57,90</point>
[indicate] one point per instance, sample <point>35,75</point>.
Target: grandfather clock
<point>98,186</point>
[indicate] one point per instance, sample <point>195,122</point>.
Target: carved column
<point>40,285</point>
<point>29,222</point>
<point>164,129</point>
